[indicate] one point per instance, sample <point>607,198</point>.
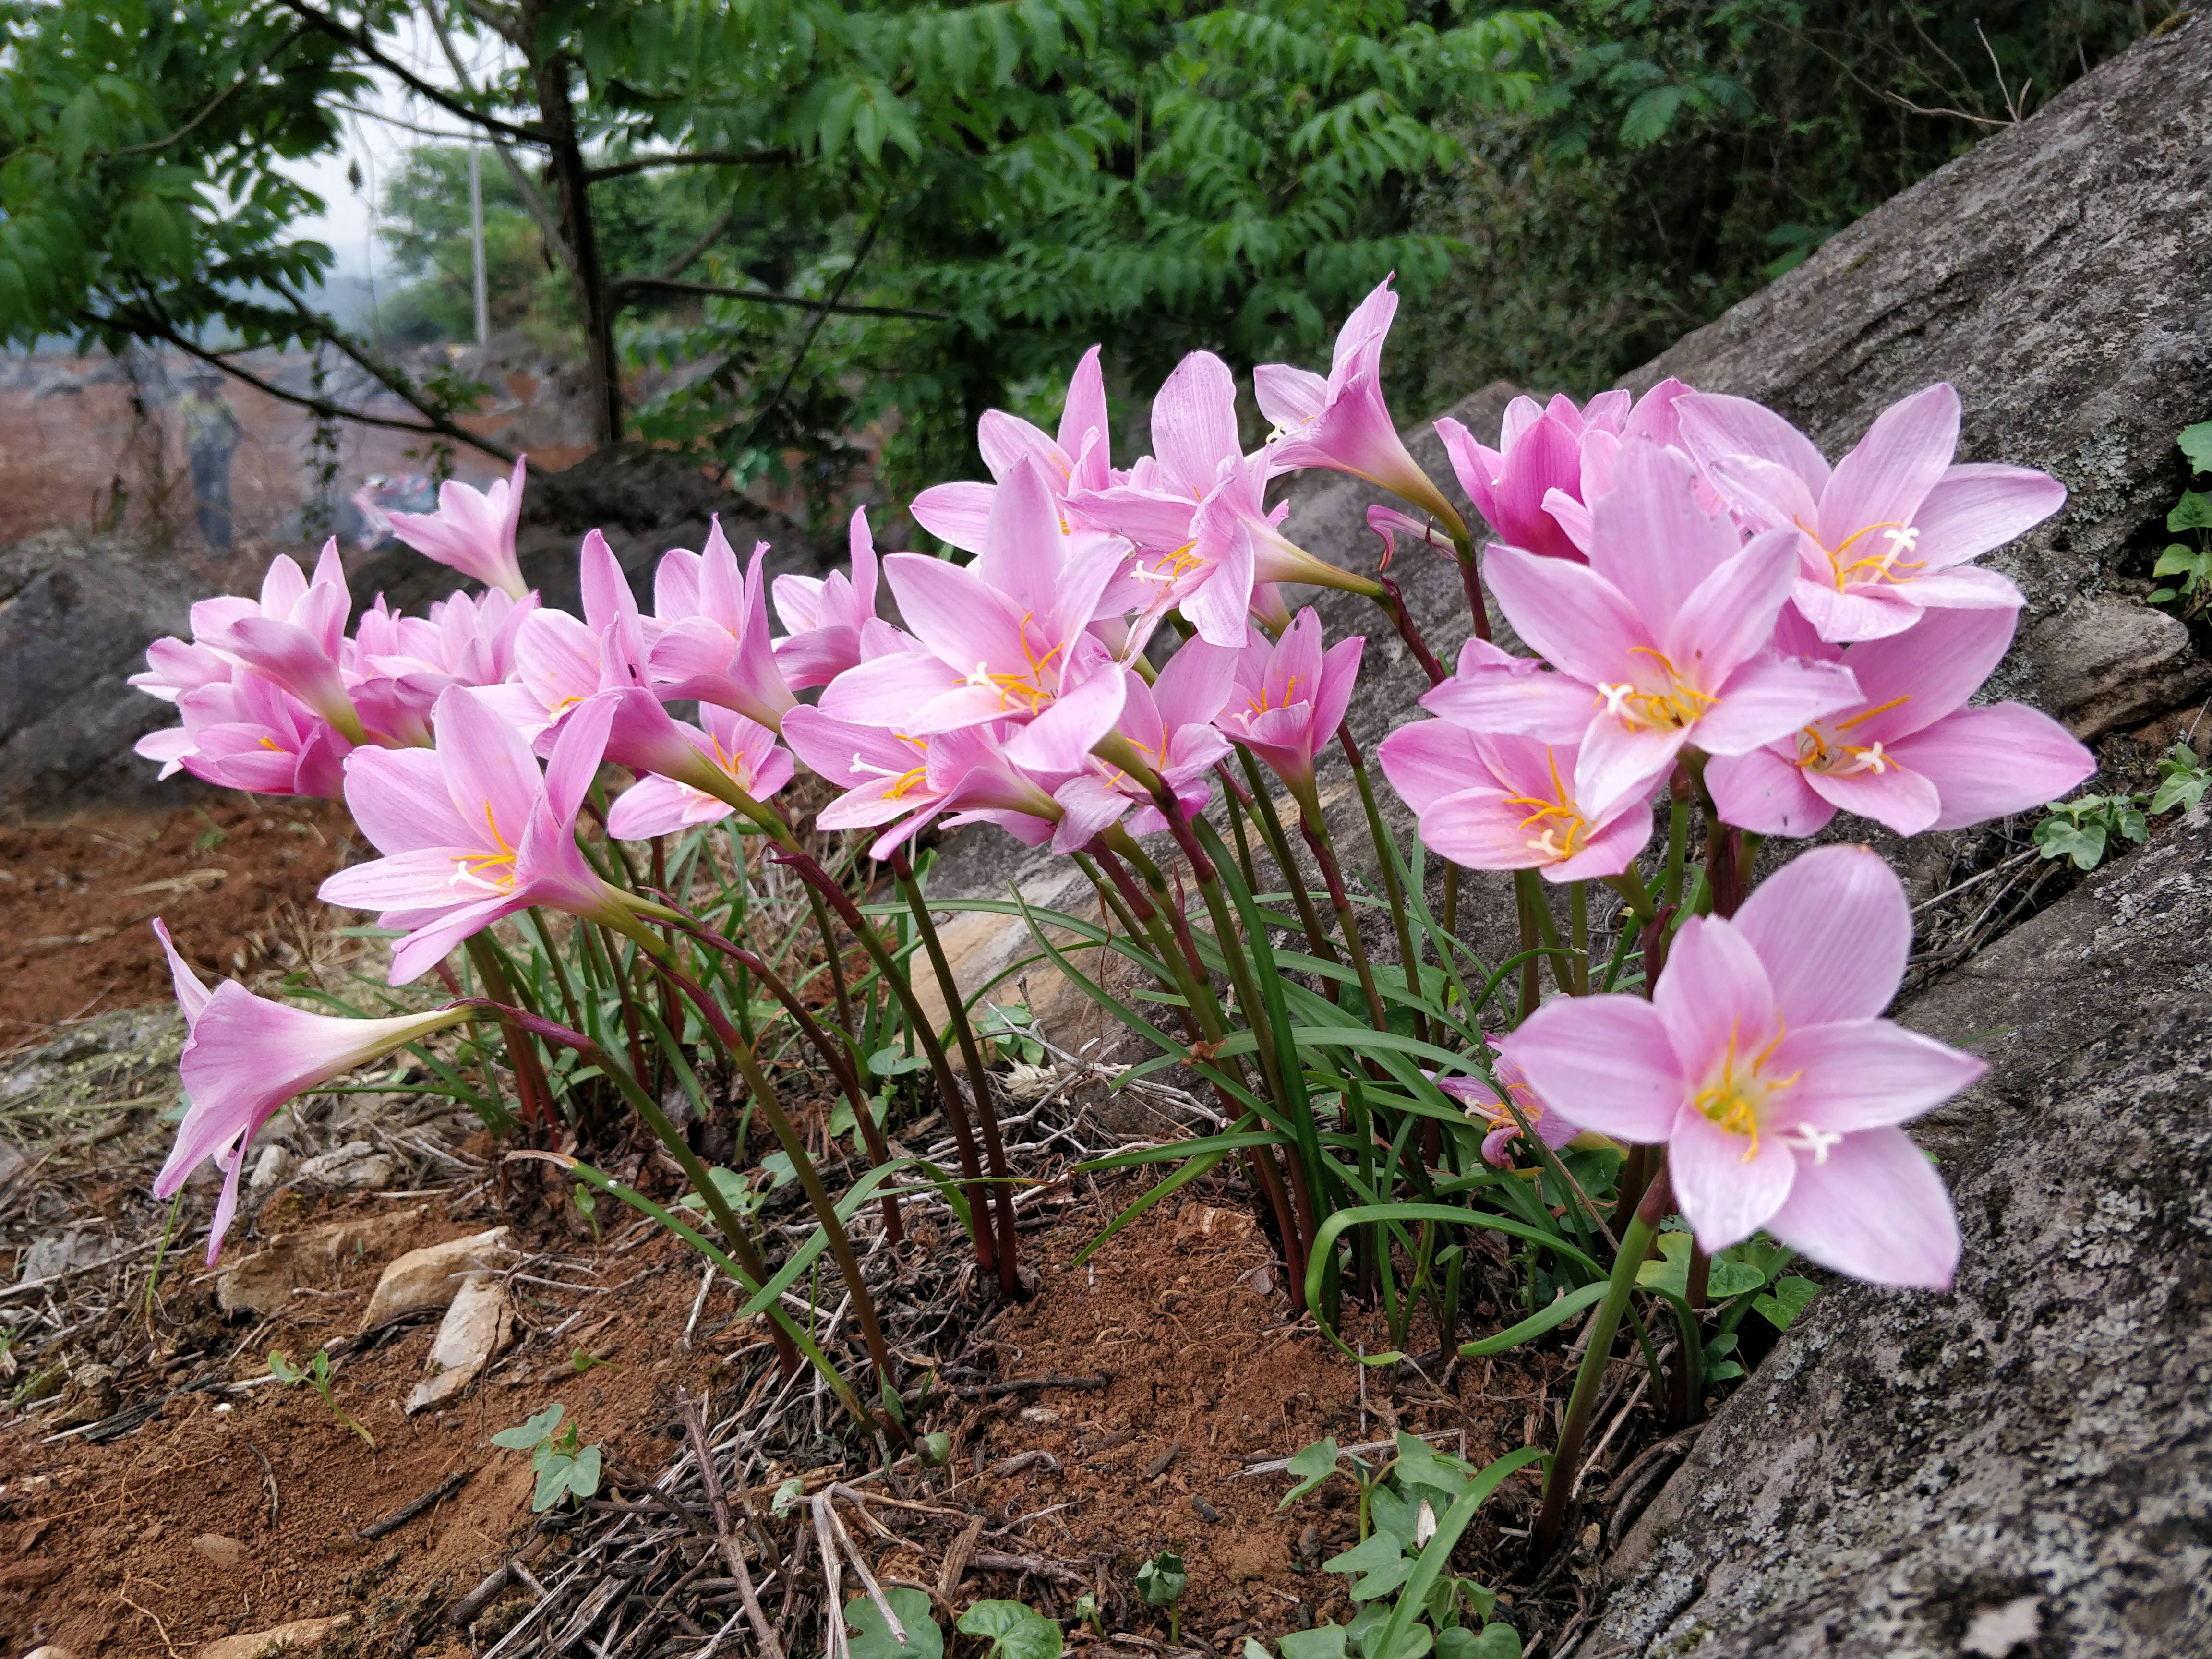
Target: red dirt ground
<point>234,880</point>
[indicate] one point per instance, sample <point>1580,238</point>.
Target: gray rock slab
<point>2024,1466</point>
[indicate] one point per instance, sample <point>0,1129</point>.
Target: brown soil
<point>104,1546</point>
<point>234,880</point>
<point>1212,1372</point>
<point>127,1548</point>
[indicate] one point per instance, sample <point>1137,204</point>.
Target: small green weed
<point>564,1466</point>
<point>316,1374</point>
<point>2191,562</point>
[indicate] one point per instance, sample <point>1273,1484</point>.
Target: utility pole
<point>476,241</point>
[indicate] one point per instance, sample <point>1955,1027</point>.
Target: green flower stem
<point>1109,896</point>
<point>1470,572</point>
<point>1202,1014</point>
<point>971,1054</point>
<point>1578,924</point>
<point>1384,855</point>
<point>941,1070</point>
<point>1678,837</point>
<point>1635,1246</point>
<point>1278,845</point>
<point>560,968</point>
<point>726,1220</point>
<point>1451,900</point>
<point>787,1136</point>
<point>1238,804</point>
<point>835,1055</point>
<point>1315,828</point>
<point>530,1079</point>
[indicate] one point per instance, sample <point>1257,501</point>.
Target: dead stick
<point>732,1552</point>
<point>407,1511</point>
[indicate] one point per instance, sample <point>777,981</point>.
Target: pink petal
<point>1218,605</point>
<point>576,754</point>
<point>1834,930</point>
<point>490,773</point>
<point>1965,588</point>
<point>1861,613</point>
<point>1288,397</point>
<point>1195,422</point>
<point>1883,481</point>
<point>1611,850</point>
<point>1427,760</point>
<point>1479,828</point>
<point>1650,539</point>
<point>1927,671</point>
<point>1340,673</point>
<point>1084,412</point>
<point>1897,798</point>
<point>1766,793</point>
<point>1714,997</point>
<point>887,691</point>
<point>1875,1210</point>
<point>1609,1057</point>
<point>1863,1073</point>
<point>1713,426</point>
<point>956,513</point>
<point>429,943</point>
<point>1764,702</point>
<point>1617,758</point>
<point>429,878</point>
<point>1769,496</point>
<point>1730,616</point>
<point>400,799</point>
<point>651,806</point>
<point>1976,505</point>
<point>1567,614</point>
<point>1022,547</point>
<point>1060,739</point>
<point>191,994</point>
<point>1007,441</point>
<point>1548,456</point>
<point>1490,697</point>
<point>1727,1186</point>
<point>1991,762</point>
<point>954,612</point>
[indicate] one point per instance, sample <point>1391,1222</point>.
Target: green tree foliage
<point>1685,152</point>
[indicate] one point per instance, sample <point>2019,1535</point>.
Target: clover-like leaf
<point>2196,442</point>
<point>524,1435</point>
<point>1312,1465</point>
<point>871,1636</point>
<point>1492,1642</point>
<point>1420,1464</point>
<point>1013,1631</point>
<point>1322,1642</point>
<point>1162,1580</point>
<point>1785,1301</point>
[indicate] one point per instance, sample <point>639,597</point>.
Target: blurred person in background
<point>211,433</point>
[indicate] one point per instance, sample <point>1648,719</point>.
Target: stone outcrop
<point>2027,1461</point>
<point>76,611</point>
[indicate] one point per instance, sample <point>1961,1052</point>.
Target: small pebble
<point>1044,1416</point>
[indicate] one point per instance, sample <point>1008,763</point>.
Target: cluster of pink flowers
<point>1699,589</point>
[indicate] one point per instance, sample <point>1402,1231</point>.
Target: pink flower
<point>400,665</point>
<point>907,782</point>
<point>248,735</point>
<point>471,831</point>
<point>1484,1101</point>
<point>1888,533</point>
<point>1289,697</point>
<point>1342,421</point>
<point>559,661</point>
<point>1493,802</point>
<point>1547,449</point>
<point>472,530</point>
<point>825,614</point>
<point>244,1056</point>
<point>294,638</point>
<point>1909,754</point>
<point>1080,457</point>
<point>1662,641</point>
<point>1003,639</point>
<point>711,639</point>
<point>1761,1064</point>
<point>732,753</point>
<point>1169,724</point>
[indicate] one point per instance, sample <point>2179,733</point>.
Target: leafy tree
<point>905,211</point>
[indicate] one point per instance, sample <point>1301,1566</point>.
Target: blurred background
<point>269,268</point>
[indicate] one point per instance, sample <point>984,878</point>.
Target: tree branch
<point>162,330</point>
<point>361,42</point>
<point>704,158</point>
<point>830,306</point>
<point>683,261</point>
<point>246,78</point>
<point>807,344</point>
<point>548,226</point>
